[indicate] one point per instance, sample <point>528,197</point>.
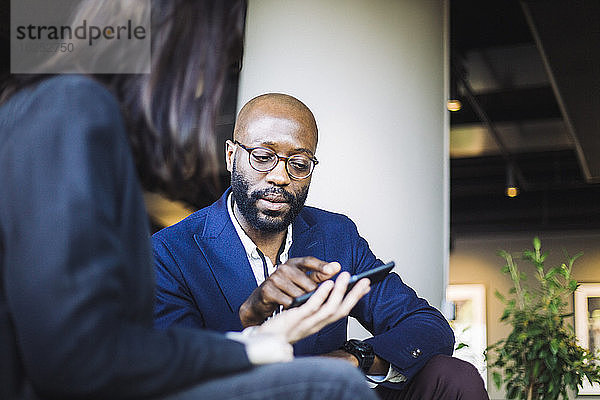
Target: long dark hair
<point>171,112</point>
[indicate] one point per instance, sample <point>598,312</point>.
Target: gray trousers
<point>309,378</point>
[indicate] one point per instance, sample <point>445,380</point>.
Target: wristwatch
<point>363,351</point>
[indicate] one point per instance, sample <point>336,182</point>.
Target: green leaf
<point>528,255</point>
<point>573,285</point>
<point>497,379</point>
<point>512,392</point>
<point>522,276</point>
<point>575,257</point>
<point>461,345</point>
<point>500,296</point>
<point>534,331</point>
<point>552,272</point>
<point>536,367</point>
<point>536,243</point>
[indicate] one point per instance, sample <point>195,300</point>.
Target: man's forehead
<point>273,131</point>
<point>275,108</point>
<point>266,117</point>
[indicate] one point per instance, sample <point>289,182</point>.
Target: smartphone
<point>375,275</point>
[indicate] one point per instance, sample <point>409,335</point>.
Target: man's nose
<point>279,175</point>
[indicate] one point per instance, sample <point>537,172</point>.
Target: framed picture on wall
<point>587,325</point>
<point>468,320</point>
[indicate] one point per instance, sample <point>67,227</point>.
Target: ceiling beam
<point>567,35</point>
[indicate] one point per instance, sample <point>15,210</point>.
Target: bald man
<point>233,264</point>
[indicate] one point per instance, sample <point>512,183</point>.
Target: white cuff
<point>263,348</point>
<point>392,376</point>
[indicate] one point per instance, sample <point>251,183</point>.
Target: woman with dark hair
<point>76,283</point>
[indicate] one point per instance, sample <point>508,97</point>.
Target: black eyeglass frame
<point>282,158</point>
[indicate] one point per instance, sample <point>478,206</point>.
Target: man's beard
<point>270,221</point>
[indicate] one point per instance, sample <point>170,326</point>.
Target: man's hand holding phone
<point>330,302</point>
<point>374,275</point>
<point>309,312</point>
<point>282,287</point>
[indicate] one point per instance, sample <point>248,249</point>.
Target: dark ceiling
<point>528,75</point>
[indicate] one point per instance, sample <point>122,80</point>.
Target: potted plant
<point>540,359</point>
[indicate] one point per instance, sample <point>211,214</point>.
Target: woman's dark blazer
<point>76,281</point>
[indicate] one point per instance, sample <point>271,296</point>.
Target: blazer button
<point>416,353</point>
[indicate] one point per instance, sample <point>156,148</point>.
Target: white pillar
<point>374,73</point>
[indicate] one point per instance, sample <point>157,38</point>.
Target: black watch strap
<point>363,351</point>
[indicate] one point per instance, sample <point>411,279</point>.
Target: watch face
<point>362,351</point>
<point>362,346</point>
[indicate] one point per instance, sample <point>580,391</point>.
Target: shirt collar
<point>248,244</point>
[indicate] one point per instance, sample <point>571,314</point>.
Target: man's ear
<point>229,154</point>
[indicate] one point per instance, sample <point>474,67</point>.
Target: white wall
<point>373,72</point>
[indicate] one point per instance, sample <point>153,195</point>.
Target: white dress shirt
<point>252,251</point>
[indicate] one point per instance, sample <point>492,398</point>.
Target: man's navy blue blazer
<point>203,276</point>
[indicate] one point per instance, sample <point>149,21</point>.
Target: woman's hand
<point>290,280</point>
<point>328,304</point>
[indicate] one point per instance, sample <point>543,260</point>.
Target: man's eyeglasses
<point>298,166</point>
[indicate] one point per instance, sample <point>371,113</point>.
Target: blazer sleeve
<point>407,331</point>
<point>174,303</point>
<point>66,266</point>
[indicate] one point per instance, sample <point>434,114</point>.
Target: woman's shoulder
<point>74,91</point>
<point>70,82</point>
<point>61,105</point>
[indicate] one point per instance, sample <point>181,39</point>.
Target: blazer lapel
<point>306,239</point>
<point>225,255</point>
